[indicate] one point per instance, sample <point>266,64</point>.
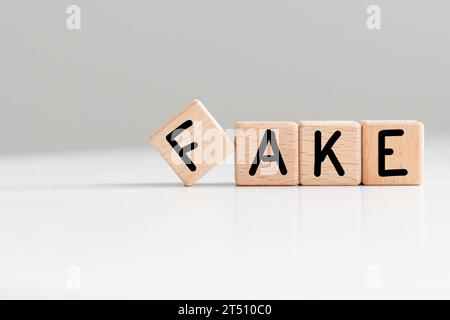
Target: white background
<point>119,224</point>
<point>79,222</point>
<point>133,65</point>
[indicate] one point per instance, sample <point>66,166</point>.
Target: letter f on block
<point>181,151</point>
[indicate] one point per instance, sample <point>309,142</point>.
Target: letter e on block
<point>192,143</point>
<point>393,152</point>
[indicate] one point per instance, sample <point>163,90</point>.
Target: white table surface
<point>118,224</point>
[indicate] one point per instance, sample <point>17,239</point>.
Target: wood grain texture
<point>408,152</point>
<point>248,138</point>
<point>347,149</point>
<point>213,143</point>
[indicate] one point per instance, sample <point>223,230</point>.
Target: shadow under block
<point>330,153</point>
<point>266,153</point>
<point>192,143</point>
<point>393,152</point>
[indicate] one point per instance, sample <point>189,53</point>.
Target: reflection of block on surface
<point>192,143</point>
<point>266,153</point>
<point>393,216</point>
<point>266,220</point>
<point>330,217</point>
<point>392,152</point>
<point>330,152</point>
<point>194,225</point>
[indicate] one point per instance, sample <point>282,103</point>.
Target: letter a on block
<point>392,152</point>
<point>269,138</point>
<point>192,143</point>
<point>266,153</point>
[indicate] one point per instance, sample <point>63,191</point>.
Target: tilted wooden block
<point>192,143</point>
<point>392,152</point>
<point>330,152</point>
<point>266,153</point>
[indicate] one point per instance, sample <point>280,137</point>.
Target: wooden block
<point>266,153</point>
<point>392,152</point>
<point>330,152</point>
<point>192,143</point>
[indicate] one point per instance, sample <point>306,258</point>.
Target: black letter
<point>320,155</point>
<point>268,158</point>
<point>182,151</point>
<point>383,152</point>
